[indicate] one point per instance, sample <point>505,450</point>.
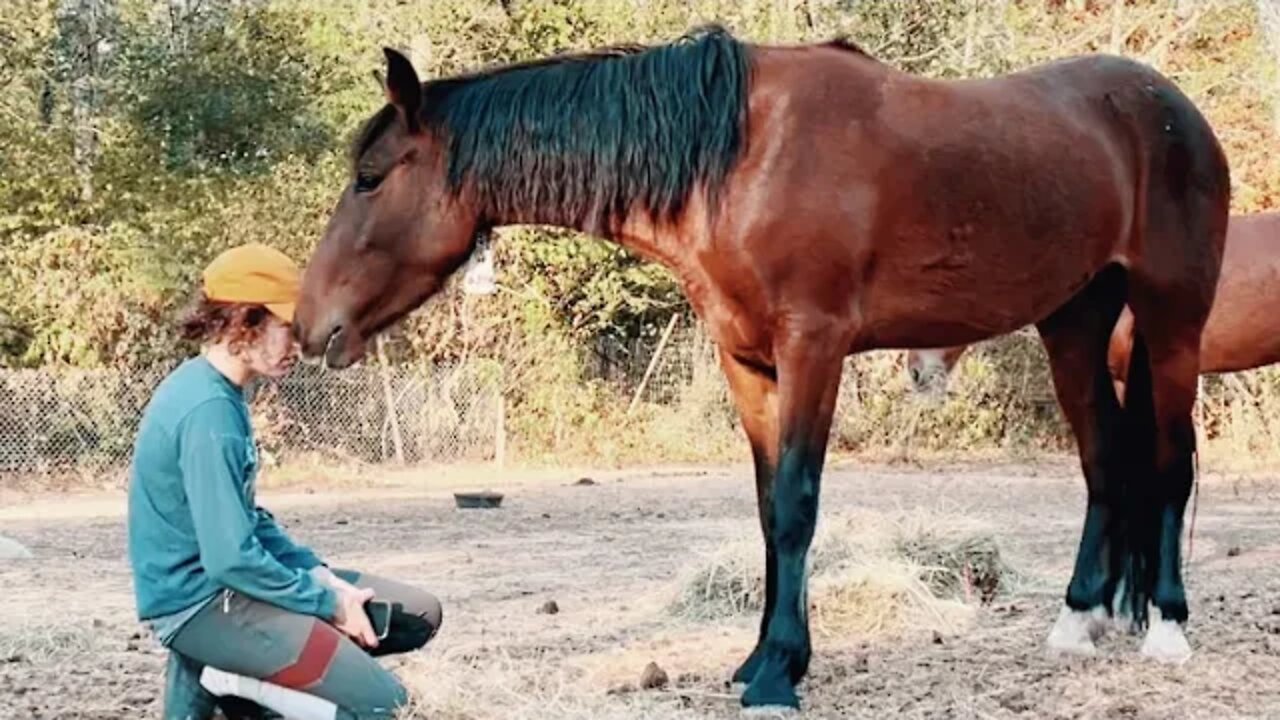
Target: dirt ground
<point>611,556</point>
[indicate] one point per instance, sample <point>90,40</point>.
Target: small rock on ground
<point>653,677</point>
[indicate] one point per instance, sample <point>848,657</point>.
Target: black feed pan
<point>485,499</point>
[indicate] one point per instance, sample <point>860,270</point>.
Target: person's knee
<point>433,613</point>
<point>423,604</point>
<point>422,621</point>
<point>426,606</point>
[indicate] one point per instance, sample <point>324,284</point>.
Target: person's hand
<point>351,618</point>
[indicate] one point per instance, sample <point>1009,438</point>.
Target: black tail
<point>1136,554</point>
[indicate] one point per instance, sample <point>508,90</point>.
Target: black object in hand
<point>397,630</point>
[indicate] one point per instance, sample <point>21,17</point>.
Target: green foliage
<point>598,289</point>
<point>235,93</point>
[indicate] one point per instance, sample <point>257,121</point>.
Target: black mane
<point>583,139</point>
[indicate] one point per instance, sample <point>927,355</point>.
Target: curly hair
<point>213,321</point>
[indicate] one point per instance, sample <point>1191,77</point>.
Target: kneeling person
<point>217,579</point>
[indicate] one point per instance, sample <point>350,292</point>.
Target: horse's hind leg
<point>1172,285</point>
<point>1076,337</point>
<point>1160,396</point>
<point>755,394</point>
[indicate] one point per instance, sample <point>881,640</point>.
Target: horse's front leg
<point>808,382</point>
<point>755,394</point>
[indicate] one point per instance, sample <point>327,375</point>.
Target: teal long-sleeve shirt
<point>194,528</point>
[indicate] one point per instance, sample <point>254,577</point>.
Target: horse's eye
<point>366,182</point>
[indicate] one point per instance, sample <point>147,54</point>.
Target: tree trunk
<point>389,398</point>
<point>86,30</point>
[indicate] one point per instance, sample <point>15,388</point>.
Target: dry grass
<point>873,575</point>
<point>46,644</point>
<point>462,687</point>
<point>617,556</point>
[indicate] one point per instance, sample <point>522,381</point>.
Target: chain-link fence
<point>85,421</point>
<point>375,414</point>
<point>55,421</point>
<point>661,370</point>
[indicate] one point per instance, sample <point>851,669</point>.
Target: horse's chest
<point>734,323</point>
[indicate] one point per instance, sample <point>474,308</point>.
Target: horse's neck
<point>638,233</point>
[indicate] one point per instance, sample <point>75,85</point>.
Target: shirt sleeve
<point>280,545</point>
<point>212,458</point>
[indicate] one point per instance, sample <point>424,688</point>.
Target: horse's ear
<point>402,87</point>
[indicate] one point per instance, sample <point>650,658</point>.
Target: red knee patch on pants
<point>313,661</point>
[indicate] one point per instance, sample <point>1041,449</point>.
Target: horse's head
<point>930,369</point>
<point>396,235</point>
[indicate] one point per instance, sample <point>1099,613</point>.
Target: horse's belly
<point>970,298</point>
<point>971,260</point>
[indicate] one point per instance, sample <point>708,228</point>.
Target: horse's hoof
<point>777,706</point>
<point>770,711</point>
<point>770,692</point>
<point>1166,643</point>
<point>746,672</point>
<point>1076,630</point>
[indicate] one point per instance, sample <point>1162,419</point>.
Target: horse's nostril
<point>333,337</point>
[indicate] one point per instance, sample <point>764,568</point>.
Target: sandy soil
<point>610,555</point>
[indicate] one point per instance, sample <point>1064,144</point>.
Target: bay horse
<point>814,202</point>
<point>1242,331</point>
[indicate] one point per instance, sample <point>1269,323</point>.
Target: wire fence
<point>83,423</point>
<point>54,422</point>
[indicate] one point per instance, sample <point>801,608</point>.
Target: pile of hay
<point>870,573</point>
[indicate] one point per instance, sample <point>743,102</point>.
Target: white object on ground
<point>292,704</point>
<point>13,550</point>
